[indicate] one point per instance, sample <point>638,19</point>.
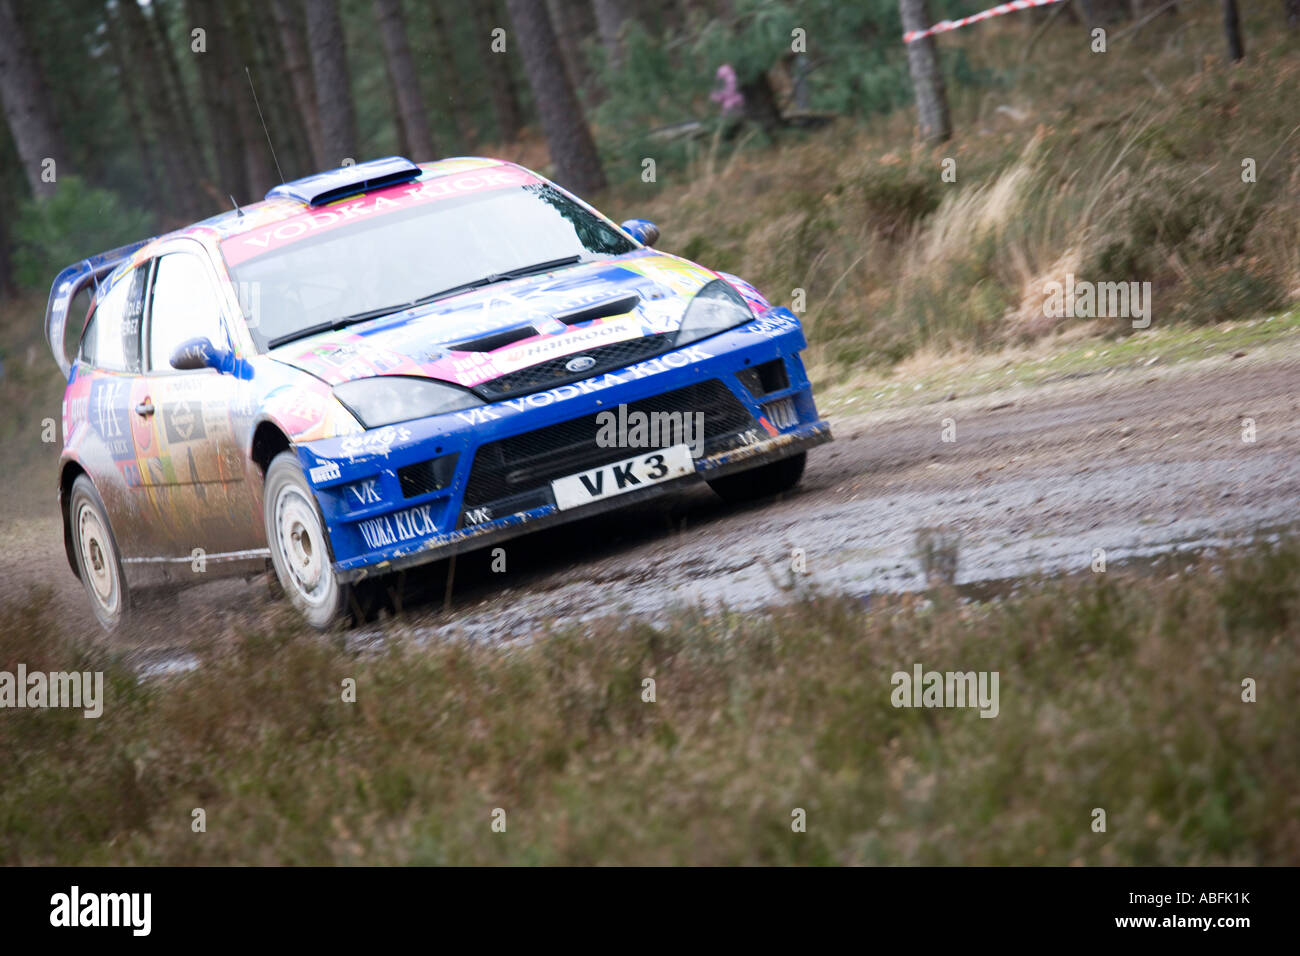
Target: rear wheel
<point>97,555</point>
<point>295,534</point>
<point>761,482</point>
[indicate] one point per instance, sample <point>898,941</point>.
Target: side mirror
<point>642,230</point>
<point>199,353</point>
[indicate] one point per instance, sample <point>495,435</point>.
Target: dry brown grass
<point>1120,691</point>
<point>1114,167</point>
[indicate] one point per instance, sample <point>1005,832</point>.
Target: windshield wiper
<point>338,323</point>
<point>509,274</point>
<point>536,267</point>
<point>346,320</point>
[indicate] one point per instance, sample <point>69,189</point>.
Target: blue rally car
<point>387,364</point>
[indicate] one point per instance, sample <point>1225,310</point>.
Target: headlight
<point>387,399</point>
<point>715,308</point>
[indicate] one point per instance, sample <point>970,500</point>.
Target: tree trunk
<point>760,103</point>
<point>178,102</point>
<point>254,100</point>
<point>446,77</point>
<point>163,126</point>
<point>1232,30</point>
<point>118,47</point>
<point>7,287</point>
<point>288,124</point>
<point>289,25</point>
<point>405,81</point>
<point>573,22</point>
<point>610,15</point>
<point>573,153</point>
<point>27,103</point>
<point>333,83</point>
<point>505,104</point>
<point>927,80</point>
<point>216,82</point>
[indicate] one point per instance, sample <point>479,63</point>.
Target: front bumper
<point>428,489</point>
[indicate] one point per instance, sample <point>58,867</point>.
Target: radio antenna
<point>269,144</point>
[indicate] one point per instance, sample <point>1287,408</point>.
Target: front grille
<point>513,466</point>
<point>552,372</point>
<point>426,476</point>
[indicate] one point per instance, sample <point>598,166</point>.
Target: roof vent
<point>347,181</point>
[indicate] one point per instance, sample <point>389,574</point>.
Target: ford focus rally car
<point>387,364</point>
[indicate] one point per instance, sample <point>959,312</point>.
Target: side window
<point>112,339</point>
<point>184,305</point>
<point>87,351</point>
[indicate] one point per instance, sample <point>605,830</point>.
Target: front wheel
<point>761,482</point>
<point>295,534</point>
<point>97,555</point>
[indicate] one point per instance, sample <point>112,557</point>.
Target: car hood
<point>486,334</point>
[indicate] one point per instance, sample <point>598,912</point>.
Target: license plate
<point>619,477</point>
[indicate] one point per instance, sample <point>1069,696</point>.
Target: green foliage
<point>856,66</point>
<point>896,197</point>
<point>1260,593</point>
<point>1222,294</point>
<point>76,222</point>
<point>1164,216</point>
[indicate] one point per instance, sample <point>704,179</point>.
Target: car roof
<point>256,215</point>
<point>234,222</point>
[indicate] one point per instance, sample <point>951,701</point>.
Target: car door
<point>196,472</point>
<point>108,386</point>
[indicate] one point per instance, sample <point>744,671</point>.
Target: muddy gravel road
<point>1139,463</point>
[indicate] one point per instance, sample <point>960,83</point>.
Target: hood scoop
<point>498,340</point>
<point>600,310</point>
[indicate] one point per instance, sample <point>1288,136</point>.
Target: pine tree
<point>26,103</point>
<point>573,152</point>
<point>333,82</point>
<point>405,81</point>
<point>927,80</point>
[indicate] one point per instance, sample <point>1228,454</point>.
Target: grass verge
<point>1117,691</point>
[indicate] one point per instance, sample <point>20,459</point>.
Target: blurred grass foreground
<point>1121,691</point>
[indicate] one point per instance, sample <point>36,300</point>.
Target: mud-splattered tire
<point>98,559</point>
<point>761,482</point>
<point>295,533</point>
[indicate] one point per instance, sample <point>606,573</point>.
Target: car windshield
<point>382,263</point>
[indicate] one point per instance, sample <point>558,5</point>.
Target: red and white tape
<point>944,26</point>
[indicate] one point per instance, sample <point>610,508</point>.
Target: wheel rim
<point>98,559</point>
<point>300,541</point>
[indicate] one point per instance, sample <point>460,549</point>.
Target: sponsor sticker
<point>255,242</point>
<point>183,421</point>
<point>325,471</point>
<point>397,528</point>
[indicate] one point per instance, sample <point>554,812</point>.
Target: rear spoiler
<point>70,282</point>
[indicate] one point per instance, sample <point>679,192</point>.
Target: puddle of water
<point>1011,530</point>
<point>167,665</point>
